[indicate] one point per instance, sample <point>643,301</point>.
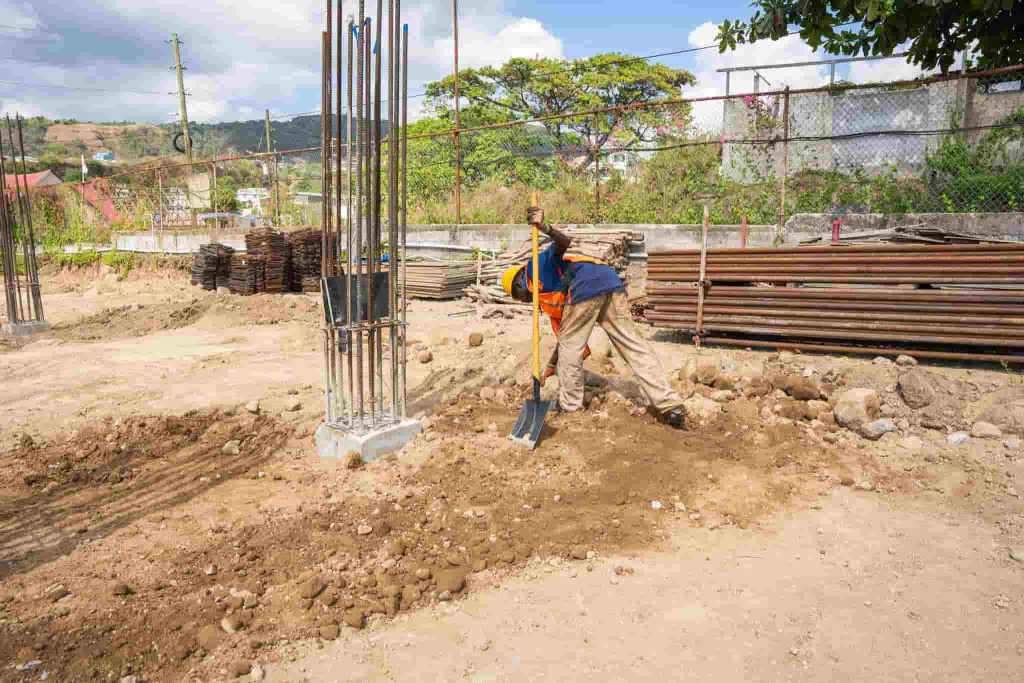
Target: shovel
<point>526,430</point>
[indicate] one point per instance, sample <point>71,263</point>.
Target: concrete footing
<point>332,442</point>
<point>25,329</point>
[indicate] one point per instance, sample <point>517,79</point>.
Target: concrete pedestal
<point>332,442</point>
<point>25,329</point>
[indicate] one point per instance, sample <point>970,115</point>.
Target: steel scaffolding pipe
<point>364,184</point>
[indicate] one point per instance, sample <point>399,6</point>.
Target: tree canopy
<point>524,89</point>
<point>936,30</point>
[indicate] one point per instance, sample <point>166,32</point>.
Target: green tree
<point>523,89</point>
<point>937,30</point>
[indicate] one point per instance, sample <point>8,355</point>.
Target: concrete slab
<point>332,442</point>
<point>25,329</point>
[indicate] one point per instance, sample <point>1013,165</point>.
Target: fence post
<point>458,122</point>
<point>597,175</point>
<point>160,199</point>
<point>779,236</point>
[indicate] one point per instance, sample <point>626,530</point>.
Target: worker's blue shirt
<point>581,280</point>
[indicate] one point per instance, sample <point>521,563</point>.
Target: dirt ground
<point>157,525</point>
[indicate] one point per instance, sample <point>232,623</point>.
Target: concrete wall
<point>449,241</point>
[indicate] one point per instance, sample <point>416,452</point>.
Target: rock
<point>479,565</point>
<point>792,409</point>
<point>802,388</point>
<point>881,360</point>
<point>957,438</point>
<point>475,339</point>
<point>985,430</point>
<point>451,580</point>
<point>816,408</point>
<point>856,408</point>
<point>313,587</point>
<point>352,460</point>
<point>1017,554</point>
<point>56,592</point>
<point>425,357</point>
<point>438,337</point>
<point>410,594</point>
<point>354,618</point>
<point>293,404</point>
<point>253,407</point>
<point>917,388</point>
<point>209,637</point>
<point>912,443</point>
<point>233,447</point>
<point>257,674</point>
<point>875,429</point>
<point>722,396</point>
<point>364,529</point>
<point>241,668</point>
<point>423,573</point>
<point>888,410</point>
<point>701,410</point>
<point>120,588</point>
<point>210,570</point>
<point>487,393</point>
<point>1012,444</point>
<point>231,624</point>
<point>704,369</point>
<point>330,632</point>
<point>724,383</point>
<point>906,361</point>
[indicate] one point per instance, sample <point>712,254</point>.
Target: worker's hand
<point>535,216</point>
<point>548,372</point>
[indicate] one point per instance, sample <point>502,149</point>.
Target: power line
<point>69,87</point>
<point>22,28</point>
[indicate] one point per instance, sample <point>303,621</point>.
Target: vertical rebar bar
<point>10,261</point>
<point>324,208</point>
<point>405,231</point>
<point>31,268</point>
<point>18,289</point>
<point>393,102</point>
<point>349,137</point>
<point>785,164</point>
<point>360,201</point>
<point>378,78</point>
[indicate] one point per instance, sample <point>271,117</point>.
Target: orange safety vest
<point>554,303</point>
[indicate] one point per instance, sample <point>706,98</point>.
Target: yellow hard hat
<point>508,277</point>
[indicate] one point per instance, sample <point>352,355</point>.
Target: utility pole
<point>271,171</point>
<point>181,97</point>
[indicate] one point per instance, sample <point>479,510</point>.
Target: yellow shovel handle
<point>536,294</point>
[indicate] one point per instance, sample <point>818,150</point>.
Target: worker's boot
<point>675,418</point>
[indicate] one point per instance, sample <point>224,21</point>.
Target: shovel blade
<point>526,430</point>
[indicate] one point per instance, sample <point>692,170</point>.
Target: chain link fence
<point>943,144</point>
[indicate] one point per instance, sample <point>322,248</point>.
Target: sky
<point>110,60</point>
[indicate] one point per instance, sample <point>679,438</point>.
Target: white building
<point>251,199</point>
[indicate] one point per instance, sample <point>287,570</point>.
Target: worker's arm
<point>535,216</point>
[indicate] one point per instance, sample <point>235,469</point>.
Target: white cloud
<point>242,56</point>
<point>708,115</point>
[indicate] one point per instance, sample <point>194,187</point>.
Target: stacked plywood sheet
<point>439,279</point>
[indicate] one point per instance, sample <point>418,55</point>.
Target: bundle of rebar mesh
<point>246,274</point>
<point>306,254</point>
<point>211,266</point>
<point>853,298</point>
<point>272,248</point>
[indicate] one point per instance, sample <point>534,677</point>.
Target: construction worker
<point>576,292</point>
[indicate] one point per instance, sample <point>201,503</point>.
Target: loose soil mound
<point>215,580</point>
<point>131,321</point>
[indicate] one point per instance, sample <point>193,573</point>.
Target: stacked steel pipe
<point>24,303</point>
<point>358,395</point>
<point>848,298</point>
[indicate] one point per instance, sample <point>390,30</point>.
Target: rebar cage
<point>364,219</point>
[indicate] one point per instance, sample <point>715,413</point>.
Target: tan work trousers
<point>610,311</point>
